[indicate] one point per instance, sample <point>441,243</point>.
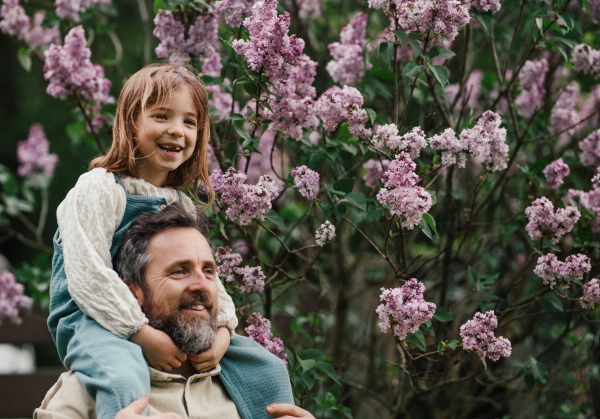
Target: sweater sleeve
<point>226,316</point>
<point>87,220</point>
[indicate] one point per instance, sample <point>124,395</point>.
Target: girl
<point>160,139</point>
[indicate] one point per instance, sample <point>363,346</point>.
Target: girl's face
<point>166,136</point>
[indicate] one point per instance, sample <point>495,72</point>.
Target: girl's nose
<point>175,129</point>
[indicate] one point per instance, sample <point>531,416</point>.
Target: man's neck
<point>186,370</point>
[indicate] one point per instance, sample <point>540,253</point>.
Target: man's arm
<point>288,411</point>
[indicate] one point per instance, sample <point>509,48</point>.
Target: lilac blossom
<point>34,157</point>
<point>531,78</point>
<point>375,170</point>
<point>588,105</point>
<point>234,10</point>
<point>246,202</point>
<point>253,278</point>
<point>404,309</point>
<point>442,17</point>
<point>484,5</point>
<point>262,166</point>
<point>591,293</point>
<point>229,261</point>
<point>554,272</point>
<point>71,72</point>
<point>306,8</point>
<point>590,149</point>
<point>544,222</point>
<point>590,201</point>
<point>70,9</point>
<point>307,182</point>
<point>16,23</point>
<point>343,105</point>
<point>488,140</point>
<point>478,335</point>
<point>564,114</point>
<point>470,91</point>
<point>260,332</point>
<point>412,142</point>
<point>586,60</point>
<point>11,298</point>
<point>451,146</point>
<point>555,173</point>
<point>401,193</point>
<point>347,66</point>
<point>221,100</point>
<point>325,233</point>
<point>269,47</point>
<point>595,10</point>
<point>295,109</point>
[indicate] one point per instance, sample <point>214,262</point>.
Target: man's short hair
<point>133,257</point>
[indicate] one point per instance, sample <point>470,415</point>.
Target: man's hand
<point>209,359</point>
<point>134,409</point>
<point>158,348</point>
<point>287,411</point>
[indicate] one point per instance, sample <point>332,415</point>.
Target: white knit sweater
<point>87,220</point>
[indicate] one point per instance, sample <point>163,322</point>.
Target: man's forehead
<point>180,242</point>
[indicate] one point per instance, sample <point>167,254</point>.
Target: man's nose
<point>199,281</point>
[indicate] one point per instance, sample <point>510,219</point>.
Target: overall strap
<point>118,179</point>
<point>179,197</point>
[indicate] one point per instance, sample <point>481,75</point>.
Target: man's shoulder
<point>66,399</point>
<point>246,354</point>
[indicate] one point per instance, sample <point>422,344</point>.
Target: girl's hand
<point>134,410</point>
<point>288,411</point>
<point>209,359</point>
<point>158,348</point>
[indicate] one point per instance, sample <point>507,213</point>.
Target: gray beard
<point>192,335</point>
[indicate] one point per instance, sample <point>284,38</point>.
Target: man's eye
<point>209,271</point>
<point>178,272</point>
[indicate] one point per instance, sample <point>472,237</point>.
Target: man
<point>168,264</point>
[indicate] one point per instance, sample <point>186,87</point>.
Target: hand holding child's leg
<point>209,359</point>
<point>158,348</point>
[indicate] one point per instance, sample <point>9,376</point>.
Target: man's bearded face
<point>191,334</point>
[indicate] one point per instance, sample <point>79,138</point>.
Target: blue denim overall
<point>113,370</point>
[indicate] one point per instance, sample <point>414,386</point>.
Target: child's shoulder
<point>98,177</point>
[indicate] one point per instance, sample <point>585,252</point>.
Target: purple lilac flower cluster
<point>246,202</point>
<point>404,309</point>
<point>590,149</point>
<point>70,9</point>
<point>307,182</point>
<point>451,146</point>
<point>484,5</point>
<point>343,105</point>
<point>11,298</point>
<point>260,332</point>
<point>269,47</point>
<point>442,17</point>
<point>325,233</point>
<point>555,173</point>
<point>71,72</point>
<point>234,10</point>
<point>401,193</point>
<point>564,114</point>
<point>478,335</point>
<point>347,67</point>
<point>554,272</point>
<point>200,43</point>
<point>544,222</point>
<point>221,100</point>
<point>375,170</point>
<point>16,23</point>
<point>586,59</point>
<point>305,8</point>
<point>488,140</point>
<point>531,78</point>
<point>591,293</point>
<point>250,278</point>
<point>33,155</point>
<point>589,200</point>
<point>412,142</point>
<point>295,109</point>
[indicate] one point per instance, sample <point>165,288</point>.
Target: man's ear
<point>137,292</point>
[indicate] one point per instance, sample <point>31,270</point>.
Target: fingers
<point>287,410</point>
<point>181,357</point>
<point>135,408</point>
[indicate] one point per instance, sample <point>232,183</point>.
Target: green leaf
<point>328,369</point>
<point>386,52</point>
<point>540,164</point>
<point>473,276</point>
<point>518,364</point>
<point>568,42</point>
<point>290,356</point>
<point>438,51</point>
<point>273,217</point>
<point>375,214</point>
<point>401,35</point>
<point>555,300</point>
<point>587,5</point>
<point>484,363</point>
<point>372,114</point>
<point>440,346</point>
<point>306,364</point>
<point>485,20</point>
<point>538,369</point>
<point>431,223</point>
<point>211,80</point>
<point>559,49</point>
<point>252,89</point>
<point>158,4</point>
<point>529,380</point>
<point>415,46</point>
<point>24,57</point>
<point>364,54</point>
<point>308,379</point>
<point>453,344</point>
<point>440,73</point>
<point>51,19</point>
<point>313,354</point>
<point>418,339</point>
<point>345,410</point>
<point>238,124</point>
<point>412,69</point>
<point>358,200</point>
<point>236,117</point>
<point>433,197</point>
<point>566,20</point>
<point>344,185</point>
<point>442,315</point>
<point>425,228</point>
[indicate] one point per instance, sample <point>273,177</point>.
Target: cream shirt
<point>87,220</point>
<point>202,396</point>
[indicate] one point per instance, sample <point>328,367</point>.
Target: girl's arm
<point>87,220</point>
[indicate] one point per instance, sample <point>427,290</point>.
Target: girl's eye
<point>190,122</point>
<point>160,116</point>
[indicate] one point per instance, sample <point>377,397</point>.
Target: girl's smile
<point>166,136</point>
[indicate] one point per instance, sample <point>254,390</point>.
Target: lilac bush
<point>11,298</point>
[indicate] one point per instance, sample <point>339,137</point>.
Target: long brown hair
<point>154,84</point>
